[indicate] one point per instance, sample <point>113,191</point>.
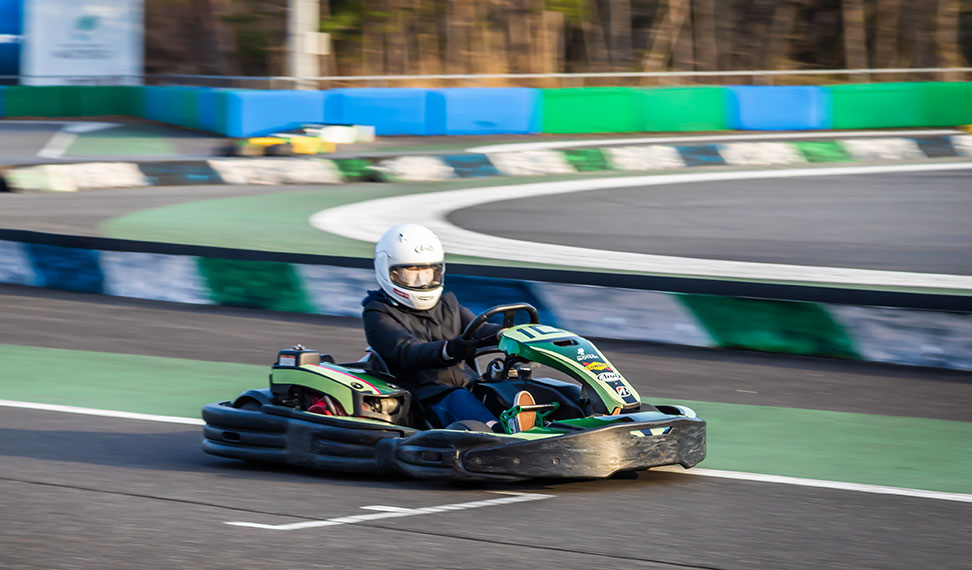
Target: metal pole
<point>303,20</point>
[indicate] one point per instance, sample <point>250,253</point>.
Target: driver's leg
<point>460,405</point>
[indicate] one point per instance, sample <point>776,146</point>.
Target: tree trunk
<point>666,34</point>
<point>706,57</point>
<point>205,41</point>
<point>776,54</point>
<point>372,40</point>
<point>594,43</point>
<point>683,54</point>
<point>458,28</point>
<point>855,38</point>
<point>919,47</point>
<point>620,34</point>
<point>946,39</point>
<point>427,42</point>
<point>888,30</point>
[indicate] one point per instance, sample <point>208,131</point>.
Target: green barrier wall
<point>772,326</point>
<point>84,101</point>
<point>948,104</point>
<point>254,284</point>
<point>73,101</point>
<point>879,105</point>
<point>24,101</point>
<point>592,110</point>
<point>685,109</point>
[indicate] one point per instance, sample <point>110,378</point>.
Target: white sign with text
<point>82,42</point>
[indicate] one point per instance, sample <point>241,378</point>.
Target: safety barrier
<point>900,328</point>
<point>391,111</point>
<point>675,109</point>
<point>779,108</point>
<point>483,111</point>
<point>490,111</point>
<point>592,110</point>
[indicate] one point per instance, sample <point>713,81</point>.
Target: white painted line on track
<point>702,472</point>
<point>387,512</point>
<point>515,147</point>
<point>840,485</point>
<point>367,221</point>
<point>63,139</point>
<point>102,413</point>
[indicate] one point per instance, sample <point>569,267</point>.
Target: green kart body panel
<point>353,417</point>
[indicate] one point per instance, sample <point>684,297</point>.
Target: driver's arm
<point>398,347</point>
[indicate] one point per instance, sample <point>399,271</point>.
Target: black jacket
<point>411,342</point>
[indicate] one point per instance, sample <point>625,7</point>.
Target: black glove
<point>460,348</point>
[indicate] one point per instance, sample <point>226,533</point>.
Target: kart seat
<point>371,362</point>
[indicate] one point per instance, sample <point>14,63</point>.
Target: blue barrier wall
<point>484,111</point>
<point>173,105</point>
<point>251,113</point>
<point>11,24</point>
<point>779,108</point>
<point>392,111</point>
<point>67,268</point>
<point>211,110</point>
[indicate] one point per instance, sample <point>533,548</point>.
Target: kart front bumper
<point>594,453</point>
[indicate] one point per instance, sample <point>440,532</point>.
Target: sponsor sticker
<point>582,356</point>
<point>608,376</point>
<point>401,294</point>
<point>597,367</point>
<point>623,391</point>
<point>287,360</point>
<point>423,247</point>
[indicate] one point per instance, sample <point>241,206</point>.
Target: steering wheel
<point>509,314</point>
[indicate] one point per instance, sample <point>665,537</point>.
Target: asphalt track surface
<point>96,492</point>
<point>916,222</point>
<point>22,140</point>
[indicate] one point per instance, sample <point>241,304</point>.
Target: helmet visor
<point>417,276</point>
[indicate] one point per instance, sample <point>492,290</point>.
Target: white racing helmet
<point>409,266</point>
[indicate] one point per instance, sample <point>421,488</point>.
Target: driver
<point>417,330</point>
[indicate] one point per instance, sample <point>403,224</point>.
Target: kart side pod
<point>299,378</point>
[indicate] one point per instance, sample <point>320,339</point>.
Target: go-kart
<point>352,417</point>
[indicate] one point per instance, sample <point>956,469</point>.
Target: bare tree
<point>666,34</point>
<point>705,35</point>
<point>946,38</point>
<point>888,27</point>
<point>855,35</point>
